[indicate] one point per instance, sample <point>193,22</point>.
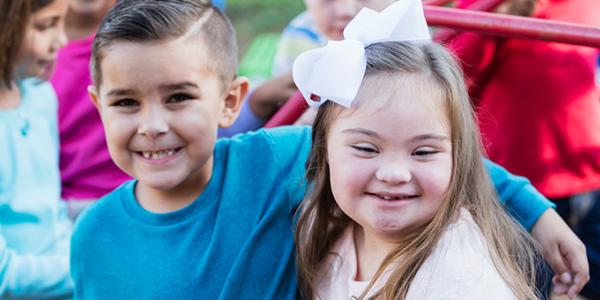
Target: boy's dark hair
<point>14,18</point>
<point>154,20</point>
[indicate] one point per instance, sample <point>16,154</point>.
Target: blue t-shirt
<point>234,242</point>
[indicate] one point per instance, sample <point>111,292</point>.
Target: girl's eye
<point>425,152</point>
<point>365,149</point>
<point>45,25</point>
<point>125,103</point>
<point>179,98</point>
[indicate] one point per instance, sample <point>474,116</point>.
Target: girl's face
<point>390,156</point>
<point>331,16</point>
<point>44,36</point>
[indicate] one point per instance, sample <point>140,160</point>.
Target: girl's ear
<point>93,92</point>
<point>233,101</point>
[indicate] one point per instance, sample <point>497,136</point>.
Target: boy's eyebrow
<point>177,86</point>
<point>163,87</point>
<point>119,92</point>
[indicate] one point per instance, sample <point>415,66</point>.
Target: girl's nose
<point>60,39</point>
<point>393,173</point>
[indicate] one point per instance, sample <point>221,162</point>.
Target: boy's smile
<point>161,123</point>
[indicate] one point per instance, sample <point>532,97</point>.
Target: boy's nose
<point>153,123</point>
<point>393,173</point>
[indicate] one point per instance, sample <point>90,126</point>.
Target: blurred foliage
<point>253,17</point>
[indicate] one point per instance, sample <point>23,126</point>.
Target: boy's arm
<point>562,249</point>
<point>521,199</point>
<point>33,276</point>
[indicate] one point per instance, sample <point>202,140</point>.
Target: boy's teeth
<point>158,154</point>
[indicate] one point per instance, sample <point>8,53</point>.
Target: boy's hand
<point>564,252</point>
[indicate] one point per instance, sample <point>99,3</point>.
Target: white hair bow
<point>335,72</point>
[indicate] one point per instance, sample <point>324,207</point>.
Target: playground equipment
<point>475,19</point>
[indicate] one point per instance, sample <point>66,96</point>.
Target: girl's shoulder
<point>460,267</point>
<point>38,96</point>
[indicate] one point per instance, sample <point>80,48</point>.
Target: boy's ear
<point>233,101</point>
<point>93,92</point>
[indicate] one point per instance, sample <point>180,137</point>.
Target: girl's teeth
<point>158,154</point>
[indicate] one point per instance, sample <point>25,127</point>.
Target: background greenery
<point>253,17</point>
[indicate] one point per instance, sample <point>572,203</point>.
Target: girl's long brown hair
<point>321,221</point>
<point>14,18</point>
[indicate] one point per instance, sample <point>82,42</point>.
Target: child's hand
<point>564,252</point>
<point>516,7</point>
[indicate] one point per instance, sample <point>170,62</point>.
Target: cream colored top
<point>459,267</point>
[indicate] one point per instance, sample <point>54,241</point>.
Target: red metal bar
<point>437,2</point>
<point>513,26</point>
<point>444,35</point>
<point>289,112</point>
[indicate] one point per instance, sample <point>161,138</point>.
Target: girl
<point>402,206</point>
<point>34,228</point>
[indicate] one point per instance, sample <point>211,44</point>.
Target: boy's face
<point>161,107</point>
<point>331,16</point>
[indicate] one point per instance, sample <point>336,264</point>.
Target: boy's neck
<point>165,201</point>
<point>10,98</point>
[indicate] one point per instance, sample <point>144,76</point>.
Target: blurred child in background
<point>87,172</point>
<point>322,21</point>
<point>34,226</point>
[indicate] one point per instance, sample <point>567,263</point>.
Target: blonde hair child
<point>402,206</point>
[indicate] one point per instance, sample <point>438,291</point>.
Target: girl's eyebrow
<point>362,131</point>
<point>422,137</point>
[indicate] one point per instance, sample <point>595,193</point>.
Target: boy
<point>203,219</point>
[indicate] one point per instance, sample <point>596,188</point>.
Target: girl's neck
<point>79,27</point>
<point>370,253</point>
<point>10,98</point>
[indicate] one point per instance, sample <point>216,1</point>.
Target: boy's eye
<point>125,103</point>
<point>176,98</point>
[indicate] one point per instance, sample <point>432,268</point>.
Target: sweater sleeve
<point>28,275</point>
<point>517,194</point>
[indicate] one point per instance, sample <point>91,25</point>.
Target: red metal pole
<point>513,26</point>
<point>443,35</point>
<point>289,112</point>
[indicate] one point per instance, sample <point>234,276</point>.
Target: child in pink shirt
<point>87,171</point>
